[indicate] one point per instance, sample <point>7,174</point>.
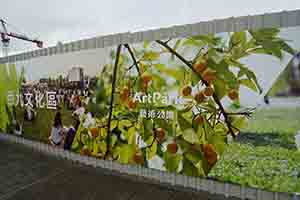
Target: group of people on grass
<point>61,136</point>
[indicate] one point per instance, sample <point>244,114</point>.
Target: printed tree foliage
<point>203,71</point>
<point>10,84</point>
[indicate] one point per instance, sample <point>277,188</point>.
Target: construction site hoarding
<point>171,104</point>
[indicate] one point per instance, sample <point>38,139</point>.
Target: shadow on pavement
<point>25,174</point>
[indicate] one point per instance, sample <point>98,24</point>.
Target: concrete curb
<point>153,176</point>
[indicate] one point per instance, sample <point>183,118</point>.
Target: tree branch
<point>247,114</point>
<point>113,84</point>
<point>133,58</point>
<point>133,65</point>
<point>226,118</point>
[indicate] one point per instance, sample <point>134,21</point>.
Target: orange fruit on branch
<point>199,119</point>
<point>200,66</point>
<point>208,91</point>
<point>132,104</point>
<point>146,78</point>
<point>124,94</point>
<point>186,90</point>
<point>138,159</point>
<point>172,148</point>
<point>199,97</point>
<point>144,87</point>
<point>210,154</point>
<point>233,95</point>
<point>209,76</point>
<point>95,132</point>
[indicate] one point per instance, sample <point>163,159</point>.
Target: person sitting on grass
<point>17,126</point>
<point>78,114</point>
<point>57,132</point>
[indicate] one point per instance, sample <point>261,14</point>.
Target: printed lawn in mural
<point>170,105</point>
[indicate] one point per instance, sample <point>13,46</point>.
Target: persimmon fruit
<point>210,154</point>
<point>233,95</point>
<point>199,97</point>
<point>208,91</point>
<point>186,90</point>
<point>172,148</point>
<point>199,119</point>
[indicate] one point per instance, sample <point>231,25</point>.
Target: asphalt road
<point>25,174</point>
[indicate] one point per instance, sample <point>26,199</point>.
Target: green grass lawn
<point>39,129</point>
<point>264,155</point>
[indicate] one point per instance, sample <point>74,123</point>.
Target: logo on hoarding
<point>157,97</point>
<point>40,100</point>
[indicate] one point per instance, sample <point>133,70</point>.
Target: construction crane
<point>5,37</point>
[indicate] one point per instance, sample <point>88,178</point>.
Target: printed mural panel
<point>172,105</point>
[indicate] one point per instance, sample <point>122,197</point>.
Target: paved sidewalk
<point>25,174</point>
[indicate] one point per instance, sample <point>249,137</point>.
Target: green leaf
<point>183,123</point>
<point>203,167</point>
<point>264,33</point>
<point>177,44</point>
<point>190,170</point>
<point>124,123</point>
<point>207,127</point>
<point>249,84</point>
<point>272,48</point>
<point>126,153</point>
<point>95,148</point>
<point>146,44</point>
<point>271,43</point>
<point>225,74</point>
<point>195,78</point>
<point>113,140</point>
<point>175,73</point>
<point>151,151</point>
<point>158,81</point>
<point>219,138</point>
<point>148,128</point>
<point>102,147</point>
<point>209,39</point>
<point>184,145</point>
<point>192,42</point>
<point>113,124</point>
<point>239,122</point>
<point>201,135</point>
<point>220,88</point>
<point>103,133</point>
<point>190,136</point>
<point>250,75</point>
<point>193,157</point>
<point>238,38</point>
<point>151,56</point>
<point>245,71</point>
<point>286,47</point>
<point>171,161</point>
<point>131,135</point>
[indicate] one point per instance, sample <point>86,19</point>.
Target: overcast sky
<point>65,21</point>
<point>61,20</point>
